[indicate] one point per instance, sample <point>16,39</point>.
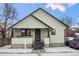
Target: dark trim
<point>48,33</point>
<point>12,33</point>
<point>38,39</point>
<point>41,21</point>
<point>34,12</point>
<point>25,33</point>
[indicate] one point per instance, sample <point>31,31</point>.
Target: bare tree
<point>8,14</point>
<point>67,20</point>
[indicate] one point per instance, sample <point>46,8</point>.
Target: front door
<point>37,35</point>
<point>38,44</point>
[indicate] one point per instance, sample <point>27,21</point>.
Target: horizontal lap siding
<point>30,22</point>
<point>44,34</point>
<point>59,37</point>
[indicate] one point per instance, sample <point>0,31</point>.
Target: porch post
<point>12,34</point>
<point>49,37</point>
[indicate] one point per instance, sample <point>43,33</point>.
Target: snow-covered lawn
<point>55,51</point>
<point>7,50</point>
<point>60,54</point>
<point>61,49</point>
<point>6,47</point>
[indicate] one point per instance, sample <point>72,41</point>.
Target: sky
<point>59,10</point>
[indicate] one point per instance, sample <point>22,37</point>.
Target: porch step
<point>38,45</point>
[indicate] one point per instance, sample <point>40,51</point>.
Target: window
<point>53,32</point>
<point>26,32</point>
<point>17,31</point>
<point>22,32</point>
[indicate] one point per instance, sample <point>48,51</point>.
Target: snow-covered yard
<point>55,51</point>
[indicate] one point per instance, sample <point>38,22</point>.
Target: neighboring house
<point>76,33</point>
<point>69,33</point>
<point>36,27</point>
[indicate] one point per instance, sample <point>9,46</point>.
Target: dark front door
<point>38,44</point>
<point>37,35</point>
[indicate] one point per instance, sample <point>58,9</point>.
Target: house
<point>69,32</point>
<point>39,26</point>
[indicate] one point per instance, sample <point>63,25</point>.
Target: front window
<point>22,32</point>
<point>26,32</point>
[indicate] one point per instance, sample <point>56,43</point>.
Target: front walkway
<point>56,51</point>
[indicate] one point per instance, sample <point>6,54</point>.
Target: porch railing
<point>46,42</point>
<point>22,40</point>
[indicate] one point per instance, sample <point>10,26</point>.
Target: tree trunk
<point>3,38</point>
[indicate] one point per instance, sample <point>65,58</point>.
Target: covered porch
<point>23,37</point>
<point>29,31</point>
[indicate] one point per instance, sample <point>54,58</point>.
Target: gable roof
<point>42,22</point>
<point>55,17</point>
<point>39,20</point>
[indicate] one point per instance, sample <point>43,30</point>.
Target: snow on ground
<point>18,54</point>
<point>60,49</point>
<point>6,47</point>
<point>7,50</point>
<point>60,54</point>
<point>55,51</point>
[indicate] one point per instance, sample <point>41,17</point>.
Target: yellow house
<point>39,26</point>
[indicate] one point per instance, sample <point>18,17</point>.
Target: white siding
<point>46,40</point>
<point>30,22</point>
<point>33,34</point>
<point>44,33</point>
<point>40,14</point>
<point>59,37</point>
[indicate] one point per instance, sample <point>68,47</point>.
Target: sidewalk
<point>55,51</point>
